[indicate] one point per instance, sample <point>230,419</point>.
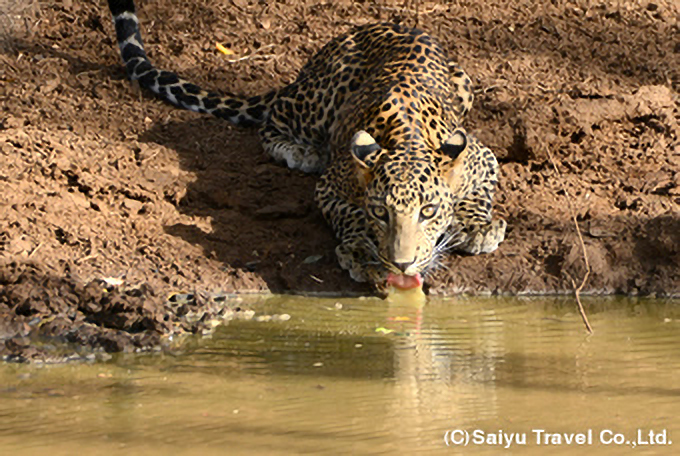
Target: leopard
<point>378,114</point>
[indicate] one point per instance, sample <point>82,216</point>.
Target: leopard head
<point>408,198</point>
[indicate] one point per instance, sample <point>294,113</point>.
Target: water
<point>347,376</point>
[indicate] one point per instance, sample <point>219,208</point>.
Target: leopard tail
<point>251,111</point>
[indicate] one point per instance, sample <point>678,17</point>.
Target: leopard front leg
<point>473,229</point>
<point>484,238</point>
<point>357,251</point>
<point>359,261</point>
<point>477,232</point>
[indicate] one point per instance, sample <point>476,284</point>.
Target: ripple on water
<point>364,376</point>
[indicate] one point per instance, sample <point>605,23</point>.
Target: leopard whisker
<point>446,242</point>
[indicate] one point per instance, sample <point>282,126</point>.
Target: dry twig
<point>253,54</point>
<point>577,290</point>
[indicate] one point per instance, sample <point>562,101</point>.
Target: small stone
<point>105,356</point>
<point>246,314</point>
<point>312,259</point>
<point>133,206</point>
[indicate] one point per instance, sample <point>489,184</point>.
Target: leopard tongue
<point>404,282</point>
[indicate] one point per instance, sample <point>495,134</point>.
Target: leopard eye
<point>379,212</point>
<point>429,211</point>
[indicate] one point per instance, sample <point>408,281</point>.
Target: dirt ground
<point>112,202</point>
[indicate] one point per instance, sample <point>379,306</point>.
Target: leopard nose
<point>403,266</point>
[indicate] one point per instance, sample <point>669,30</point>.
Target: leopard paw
<point>486,238</point>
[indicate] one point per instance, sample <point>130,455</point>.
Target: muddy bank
<point>112,201</point>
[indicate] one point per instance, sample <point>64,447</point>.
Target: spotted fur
<point>377,112</point>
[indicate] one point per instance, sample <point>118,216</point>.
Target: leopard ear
<point>455,144</point>
<point>361,147</point>
<point>453,168</point>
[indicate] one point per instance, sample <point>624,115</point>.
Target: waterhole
<point>367,376</point>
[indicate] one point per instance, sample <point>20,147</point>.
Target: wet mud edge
<point>124,220</point>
